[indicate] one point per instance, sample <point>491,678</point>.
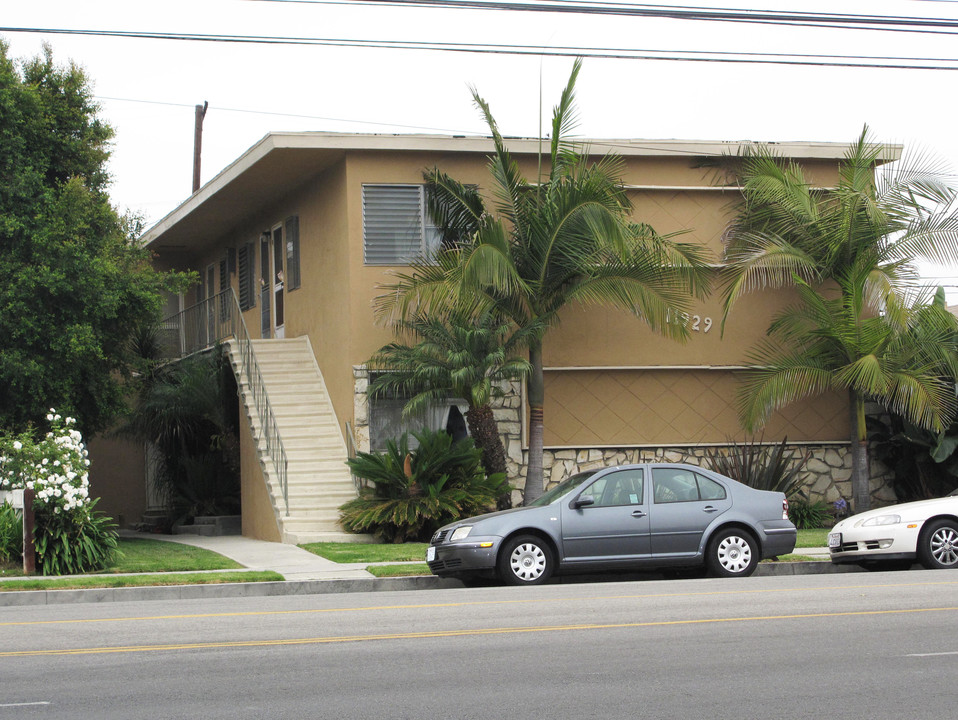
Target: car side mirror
<point>582,501</point>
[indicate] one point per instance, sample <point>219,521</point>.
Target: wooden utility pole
<point>198,143</point>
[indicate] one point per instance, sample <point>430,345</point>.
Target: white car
<point>898,535</point>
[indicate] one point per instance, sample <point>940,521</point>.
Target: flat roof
<point>282,161</point>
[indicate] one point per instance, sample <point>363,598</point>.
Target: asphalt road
<point>876,645</point>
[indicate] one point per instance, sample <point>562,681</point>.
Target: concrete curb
<point>339,586</point>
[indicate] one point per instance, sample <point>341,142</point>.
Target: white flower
<point>49,416</point>
<point>17,445</point>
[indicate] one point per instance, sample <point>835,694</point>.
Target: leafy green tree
<point>73,282</point>
<point>567,239</point>
<point>850,252</point>
<point>453,354</point>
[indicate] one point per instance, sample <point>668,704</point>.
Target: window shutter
<point>392,224</point>
<point>292,252</point>
<point>246,260</point>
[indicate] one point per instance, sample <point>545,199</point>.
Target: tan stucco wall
<point>335,304</point>
<point>259,520</point>
<point>118,478</point>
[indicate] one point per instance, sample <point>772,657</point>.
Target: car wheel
<point>732,553</point>
<point>525,560</point>
<point>938,545</point>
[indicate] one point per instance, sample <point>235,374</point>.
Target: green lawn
<point>141,555</point>
<point>137,555</point>
<point>368,552</point>
<point>812,538</point>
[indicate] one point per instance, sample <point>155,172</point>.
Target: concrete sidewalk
<point>309,574</point>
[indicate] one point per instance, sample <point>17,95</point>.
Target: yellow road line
<point>471,603</point>
<point>450,633</point>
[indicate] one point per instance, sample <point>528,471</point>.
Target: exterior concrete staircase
<point>318,479</point>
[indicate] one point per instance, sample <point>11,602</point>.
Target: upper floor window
<point>396,227</point>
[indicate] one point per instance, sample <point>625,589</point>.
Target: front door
<point>265,287</point>
<point>614,528</point>
<point>279,306</point>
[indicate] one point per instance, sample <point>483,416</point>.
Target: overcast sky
<point>148,87</point>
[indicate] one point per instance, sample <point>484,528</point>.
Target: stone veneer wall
<point>828,472</point>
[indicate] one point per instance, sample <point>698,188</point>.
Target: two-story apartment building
<point>304,227</point>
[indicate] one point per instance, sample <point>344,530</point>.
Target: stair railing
<point>213,320</point>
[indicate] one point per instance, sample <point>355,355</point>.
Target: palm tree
<point>850,251</point>
<point>458,354</point>
<point>568,238</point>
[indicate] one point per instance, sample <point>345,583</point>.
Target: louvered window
<point>396,229</point>
<point>246,261</point>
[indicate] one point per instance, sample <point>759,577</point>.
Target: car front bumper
<point>877,543</point>
<point>475,555</point>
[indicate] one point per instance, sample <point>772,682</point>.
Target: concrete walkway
<point>290,561</point>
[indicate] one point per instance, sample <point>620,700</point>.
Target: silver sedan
<point>631,517</point>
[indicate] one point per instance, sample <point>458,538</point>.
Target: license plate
<point>834,540</point>
<point>430,553</point>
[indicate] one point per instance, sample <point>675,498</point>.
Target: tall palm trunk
<point>485,434</point>
<point>536,387</point>
<point>861,472</point>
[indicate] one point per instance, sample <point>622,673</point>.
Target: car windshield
<point>562,488</point>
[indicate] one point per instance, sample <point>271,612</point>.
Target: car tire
<point>938,545</point>
<point>526,560</point>
<point>732,553</point>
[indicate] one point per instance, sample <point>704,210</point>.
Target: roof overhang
<point>282,162</point>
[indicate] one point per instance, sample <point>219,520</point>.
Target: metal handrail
<point>211,321</point>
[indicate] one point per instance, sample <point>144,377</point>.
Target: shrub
<point>414,493</point>
<point>764,467</point>
<point>69,536</point>
<point>11,534</point>
<point>807,515</point>
<point>75,542</point>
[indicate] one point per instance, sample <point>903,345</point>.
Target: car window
<point>709,489</point>
<point>625,487</point>
<point>673,485</point>
<point>562,488</point>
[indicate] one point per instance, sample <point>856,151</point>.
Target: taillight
<point>785,509</point>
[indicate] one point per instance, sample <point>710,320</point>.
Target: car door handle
<point>710,509</point>
<point>638,514</point>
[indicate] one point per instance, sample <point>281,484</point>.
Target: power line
<point>290,115</point>
<point>850,61</point>
<point>736,15</point>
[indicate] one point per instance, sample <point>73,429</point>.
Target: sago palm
<point>568,238</point>
<point>851,251</point>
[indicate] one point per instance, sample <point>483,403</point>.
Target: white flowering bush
<point>68,535</point>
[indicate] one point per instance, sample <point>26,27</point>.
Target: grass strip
<point>817,537</point>
<point>398,570</point>
<point>368,552</point>
<point>106,581</point>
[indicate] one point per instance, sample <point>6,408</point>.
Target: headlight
<point>460,533</point>
<point>882,520</point>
